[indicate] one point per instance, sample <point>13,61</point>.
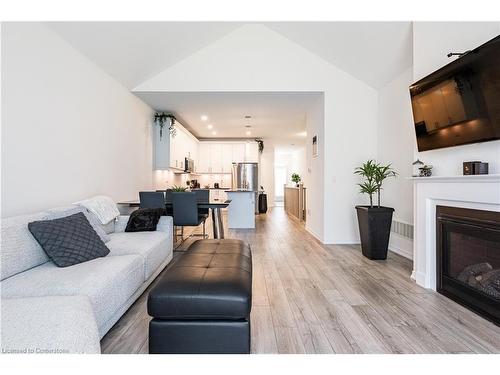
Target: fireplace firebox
<point>468,258</point>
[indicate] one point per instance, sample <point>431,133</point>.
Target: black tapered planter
<point>374,230</point>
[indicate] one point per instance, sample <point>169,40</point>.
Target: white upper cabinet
<point>161,149</point>
<point>171,151</point>
<point>216,158</point>
<point>227,157</point>
<point>204,157</point>
<point>252,152</point>
<point>238,152</point>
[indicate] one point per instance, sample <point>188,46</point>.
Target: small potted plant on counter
<point>374,221</point>
<point>296,178</point>
<point>179,189</point>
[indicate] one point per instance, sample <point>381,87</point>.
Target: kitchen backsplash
<point>224,180</point>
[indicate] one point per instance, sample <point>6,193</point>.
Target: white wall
<point>397,145</point>
<point>235,63</point>
<point>69,131</point>
<point>266,171</point>
<point>315,176</point>
<point>396,137</point>
<point>431,42</point>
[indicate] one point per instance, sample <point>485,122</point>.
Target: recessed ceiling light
<point>204,117</point>
<point>210,126</point>
<point>248,132</point>
<point>214,133</point>
<point>302,134</point>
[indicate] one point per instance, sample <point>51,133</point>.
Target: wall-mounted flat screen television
<point>459,103</point>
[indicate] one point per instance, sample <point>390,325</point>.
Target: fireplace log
<point>469,274</point>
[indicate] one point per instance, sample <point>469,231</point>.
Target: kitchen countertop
<point>239,191</point>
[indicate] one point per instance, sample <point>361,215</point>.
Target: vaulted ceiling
<point>132,52</point>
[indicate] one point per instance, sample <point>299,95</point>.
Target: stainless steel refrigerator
<point>245,176</point>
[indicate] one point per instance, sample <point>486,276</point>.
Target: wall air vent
<point>402,229</point>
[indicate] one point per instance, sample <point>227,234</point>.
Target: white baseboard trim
<point>348,242</point>
<point>401,245</point>
<point>420,279</point>
<point>312,233</point>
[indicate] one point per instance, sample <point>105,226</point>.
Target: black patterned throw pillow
<point>69,240</point>
<point>144,220</point>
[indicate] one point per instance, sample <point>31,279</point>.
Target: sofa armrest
<point>121,223</point>
<point>164,225</point>
<point>51,324</point>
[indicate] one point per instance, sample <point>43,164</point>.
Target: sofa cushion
<point>153,247</point>
<point>144,220</point>
<point>108,282</point>
<point>19,250</point>
<point>58,212</point>
<point>68,240</point>
<point>109,227</point>
<point>49,325</point>
<point>103,207</point>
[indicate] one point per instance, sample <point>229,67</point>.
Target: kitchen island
<point>241,210</point>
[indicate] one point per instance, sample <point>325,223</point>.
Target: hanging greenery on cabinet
<point>161,119</point>
<point>260,142</point>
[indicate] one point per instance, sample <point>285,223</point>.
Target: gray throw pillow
<point>69,240</point>
<point>57,213</point>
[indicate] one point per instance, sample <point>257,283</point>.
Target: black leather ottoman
<point>202,303</point>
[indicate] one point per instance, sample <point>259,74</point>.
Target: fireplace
<point>468,258</point>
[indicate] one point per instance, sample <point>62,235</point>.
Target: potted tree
<point>296,178</point>
<point>374,221</point>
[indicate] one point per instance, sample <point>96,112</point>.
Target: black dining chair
<point>202,196</point>
<point>151,199</point>
<point>185,212</point>
<point>168,200</point>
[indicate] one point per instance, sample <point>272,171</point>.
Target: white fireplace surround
<point>481,192</point>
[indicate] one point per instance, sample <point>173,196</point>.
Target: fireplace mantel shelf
<point>458,178</point>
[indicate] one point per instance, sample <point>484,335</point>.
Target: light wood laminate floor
<point>312,298</point>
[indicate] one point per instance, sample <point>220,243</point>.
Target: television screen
<point>459,103</point>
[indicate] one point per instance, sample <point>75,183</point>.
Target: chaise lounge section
<point>70,309</point>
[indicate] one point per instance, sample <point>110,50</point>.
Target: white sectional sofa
<point>50,309</point>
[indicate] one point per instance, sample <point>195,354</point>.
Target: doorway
<point>280,180</point>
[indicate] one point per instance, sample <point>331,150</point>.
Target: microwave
<point>188,165</point>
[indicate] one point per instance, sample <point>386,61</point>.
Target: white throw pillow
<point>102,207</point>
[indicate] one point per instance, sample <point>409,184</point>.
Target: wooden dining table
<point>215,207</point>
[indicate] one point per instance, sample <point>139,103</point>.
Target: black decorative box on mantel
<point>475,167</point>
